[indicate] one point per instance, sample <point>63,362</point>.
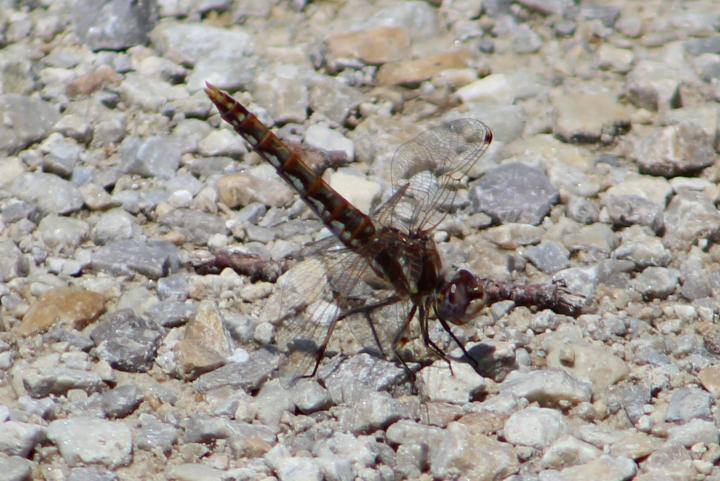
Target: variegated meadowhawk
<point>394,246</point>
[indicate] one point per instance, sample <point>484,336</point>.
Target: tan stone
<point>241,188</point>
<point>415,71</point>
<point>710,379</point>
<point>205,346</point>
<point>75,306</point>
<point>378,46</point>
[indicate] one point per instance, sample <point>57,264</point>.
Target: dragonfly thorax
<point>410,262</point>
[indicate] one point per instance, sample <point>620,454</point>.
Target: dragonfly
<point>394,247</point>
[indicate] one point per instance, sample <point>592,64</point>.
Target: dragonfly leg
<point>460,344</point>
<point>396,341</point>
<point>429,343</point>
<point>350,312</point>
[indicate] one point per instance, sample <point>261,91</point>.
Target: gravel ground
<point>119,362</point>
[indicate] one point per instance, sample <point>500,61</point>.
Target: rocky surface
<point>118,361</point>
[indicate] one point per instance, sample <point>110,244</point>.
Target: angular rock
<point>153,259</point>
<point>72,306</point>
<point>25,120</point>
<point>126,341</point>
<point>51,193</point>
<point>514,193</point>
<point>92,441</point>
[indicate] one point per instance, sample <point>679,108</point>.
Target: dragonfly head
<point>453,299</point>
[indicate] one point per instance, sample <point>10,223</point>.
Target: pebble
<point>63,234</point>
<point>25,120</point>
<point>151,157</point>
<point>73,306</point>
<point>675,150</point>
<point>589,117</point>
<point>108,443</point>
<point>568,451</point>
<point>536,427</point>
<point>15,468</point>
<point>19,439</point>
<point>458,387</point>
<point>549,386</point>
<point>153,259</point>
<point>514,193</point>
<point>49,192</point>
<point>689,403</point>
<point>126,341</point>
<point>299,468</point>
<point>375,46</point>
<point>604,468</point>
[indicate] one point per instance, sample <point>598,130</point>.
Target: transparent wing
<point>428,169</point>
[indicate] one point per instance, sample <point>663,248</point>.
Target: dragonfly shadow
<point>487,364</point>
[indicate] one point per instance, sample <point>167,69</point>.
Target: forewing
<point>428,169</point>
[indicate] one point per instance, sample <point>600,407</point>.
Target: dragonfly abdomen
<point>346,222</point>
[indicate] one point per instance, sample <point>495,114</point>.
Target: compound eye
<point>453,303</point>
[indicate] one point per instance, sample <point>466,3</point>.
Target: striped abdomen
<point>349,224</point>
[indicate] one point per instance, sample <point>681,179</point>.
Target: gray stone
<point>625,210</point>
<point>679,149</point>
<point>654,85</point>
<point>92,441</point>
<point>155,435</point>
<point>460,386</point>
<point>25,120</point>
<point>63,234</point>
<point>699,46</point>
<point>152,259</point>
<point>689,403</point>
<point>644,251</point>
<point>157,156</point>
<point>188,43</point>
<point>113,24</point>
<point>536,427</point>
<point>549,386</point>
<point>334,99</point>
<point>59,380</point>
<point>19,439</point>
<point>170,314</point>
<point>525,40</point>
<point>195,472</point>
<point>691,216</point>
<point>20,210</point>
<point>51,193</point>
<point>656,282</point>
<point>12,262</point>
<point>114,225</point>
<point>91,474</point>
<point>582,210</point>
<point>553,7</point>
<point>15,468</point>
<point>419,18</point>
<point>634,398</point>
<point>359,375</point>
<point>122,400</point>
<point>282,90</point>
<point>590,117</point>
<point>514,193</point>
<point>465,449</point>
<point>694,432</point>
<point>61,155</point>
<point>604,468</point>
<point>548,256</point>
<point>376,410</point>
<point>248,375</point>
<point>197,226</point>
<point>292,468</point>
<point>309,396</point>
<point>126,341</point>
<point>569,451</point>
